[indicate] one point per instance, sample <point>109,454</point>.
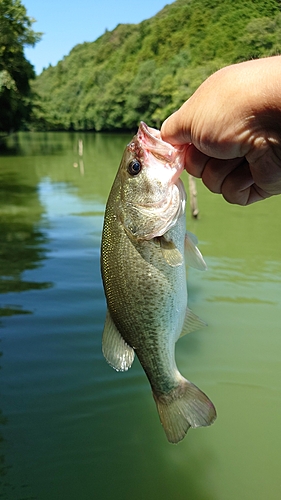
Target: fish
<point>143,250</point>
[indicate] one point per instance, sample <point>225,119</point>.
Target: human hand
<point>233,122</point>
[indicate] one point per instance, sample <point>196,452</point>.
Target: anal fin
<point>115,350</point>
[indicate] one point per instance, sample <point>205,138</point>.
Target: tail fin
<point>184,407</point>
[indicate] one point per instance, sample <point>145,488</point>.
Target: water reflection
<point>3,421</point>
<point>71,421</point>
<point>4,468</point>
<point>22,242</point>
<point>22,249</point>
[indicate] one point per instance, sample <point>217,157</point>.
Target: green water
<point>71,427</point>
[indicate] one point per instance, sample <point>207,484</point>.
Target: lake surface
<point>70,426</point>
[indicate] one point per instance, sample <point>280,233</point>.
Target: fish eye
<point>134,167</point>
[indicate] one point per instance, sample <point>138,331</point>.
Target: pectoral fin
<point>191,323</point>
<point>193,255</point>
<point>171,254</point>
<point>115,350</point>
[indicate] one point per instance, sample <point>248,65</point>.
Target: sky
<point>65,23</point>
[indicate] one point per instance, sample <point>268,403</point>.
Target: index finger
<point>195,161</point>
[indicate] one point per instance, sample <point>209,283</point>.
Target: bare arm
<point>233,122</point>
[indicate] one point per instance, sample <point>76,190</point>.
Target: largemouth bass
<point>143,270</point>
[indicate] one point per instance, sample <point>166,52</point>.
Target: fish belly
<point>147,300</point>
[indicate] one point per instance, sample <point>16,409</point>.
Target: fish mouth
<point>151,139</point>
<point>160,198</point>
<point>151,143</point>
<point>172,158</point>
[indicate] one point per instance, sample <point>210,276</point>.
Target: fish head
<point>152,196</point>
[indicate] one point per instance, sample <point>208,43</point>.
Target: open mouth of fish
<point>151,144</point>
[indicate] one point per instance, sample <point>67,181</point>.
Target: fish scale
<point>144,278</point>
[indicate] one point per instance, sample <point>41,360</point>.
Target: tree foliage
<point>15,70</point>
<point>146,71</point>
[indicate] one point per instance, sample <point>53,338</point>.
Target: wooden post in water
<point>193,197</point>
<point>80,152</point>
<point>80,147</point>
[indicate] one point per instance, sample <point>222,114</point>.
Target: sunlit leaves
<point>146,71</point>
<point>15,70</point>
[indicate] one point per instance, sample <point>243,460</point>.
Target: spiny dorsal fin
<point>171,254</point>
<point>193,255</point>
<point>115,350</point>
<point>191,323</point>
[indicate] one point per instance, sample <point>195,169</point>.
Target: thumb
<point>176,128</point>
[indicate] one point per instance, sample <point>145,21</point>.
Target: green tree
<point>15,71</point>
<point>146,71</point>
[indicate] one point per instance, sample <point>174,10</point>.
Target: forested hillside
<point>146,71</point>
<point>15,71</point>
